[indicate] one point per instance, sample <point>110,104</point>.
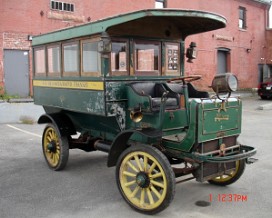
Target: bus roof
<point>156,23</point>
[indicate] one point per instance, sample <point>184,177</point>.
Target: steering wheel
<point>185,79</point>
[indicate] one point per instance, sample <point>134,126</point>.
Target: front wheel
<point>55,148</point>
<point>233,176</point>
<point>145,179</point>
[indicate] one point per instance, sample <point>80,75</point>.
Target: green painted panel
<point>214,121</point>
<point>85,101</point>
<point>217,120</point>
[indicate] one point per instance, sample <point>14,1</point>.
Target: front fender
<point>120,143</point>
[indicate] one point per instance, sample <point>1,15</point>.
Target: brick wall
<point>20,18</point>
<point>242,63</point>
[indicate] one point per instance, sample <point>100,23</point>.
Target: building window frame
<point>242,18</point>
<point>62,6</point>
<point>160,4</point>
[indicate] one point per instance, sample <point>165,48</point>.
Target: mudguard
<point>62,121</point>
<point>120,142</point>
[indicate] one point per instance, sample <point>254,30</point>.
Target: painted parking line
<point>24,131</point>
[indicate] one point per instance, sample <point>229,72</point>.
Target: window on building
<point>62,6</point>
<point>147,58</point>
<point>53,60</point>
<point>91,62</point>
<point>71,59</point>
<point>119,58</point>
<point>242,18</point>
<point>270,18</point>
<point>160,3</point>
<point>39,64</point>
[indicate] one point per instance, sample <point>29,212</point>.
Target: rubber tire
<point>168,171</point>
<point>233,179</point>
<point>64,149</point>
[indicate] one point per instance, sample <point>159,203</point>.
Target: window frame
<point>163,2</point>
<point>72,73</point>
<point>43,74</point>
<point>118,72</point>
<point>243,19</point>
<point>71,6</point>
<point>145,72</point>
<point>166,71</point>
<point>89,74</point>
<point>54,74</point>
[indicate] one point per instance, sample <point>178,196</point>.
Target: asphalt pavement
<point>87,188</point>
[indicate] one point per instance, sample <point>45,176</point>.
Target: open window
<point>119,58</point>
<point>147,58</point>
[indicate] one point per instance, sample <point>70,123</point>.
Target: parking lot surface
<point>87,187</point>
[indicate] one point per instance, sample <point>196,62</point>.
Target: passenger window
<point>53,60</point>
<point>71,59</point>
<point>119,58</point>
<point>91,62</point>
<point>147,58</point>
<point>172,59</point>
<point>39,63</point>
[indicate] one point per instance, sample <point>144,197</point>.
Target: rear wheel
<point>233,176</point>
<point>55,148</point>
<point>145,179</point>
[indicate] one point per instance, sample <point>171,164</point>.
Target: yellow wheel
<point>145,179</point>
<point>231,177</point>
<point>55,148</point>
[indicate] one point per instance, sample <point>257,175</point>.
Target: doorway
<point>223,60</point>
<point>16,72</point>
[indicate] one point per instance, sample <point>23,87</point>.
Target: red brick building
<point>241,48</point>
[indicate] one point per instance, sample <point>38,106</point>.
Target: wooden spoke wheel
<point>232,177</point>
<point>184,79</point>
<point>145,179</point>
<point>55,148</point>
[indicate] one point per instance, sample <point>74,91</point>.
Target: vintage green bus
<point>117,85</point>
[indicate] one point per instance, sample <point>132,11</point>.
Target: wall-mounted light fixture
<point>104,45</point>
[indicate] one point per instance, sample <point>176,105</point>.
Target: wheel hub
<point>142,180</point>
<point>51,146</point>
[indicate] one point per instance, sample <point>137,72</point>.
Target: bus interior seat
<point>154,92</point>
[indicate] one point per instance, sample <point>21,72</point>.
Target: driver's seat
<point>193,93</point>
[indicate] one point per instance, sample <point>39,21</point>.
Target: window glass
<point>119,58</point>
<point>159,3</point>
<point>39,63</point>
<point>53,59</point>
<point>62,6</point>
<point>172,59</point>
<point>90,58</point>
<point>70,59</point>
<point>242,18</point>
<point>147,58</point>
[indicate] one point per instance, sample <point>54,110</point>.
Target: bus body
<point>118,83</point>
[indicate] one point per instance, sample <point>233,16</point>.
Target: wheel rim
<point>224,177</point>
<point>51,146</point>
<point>143,180</point>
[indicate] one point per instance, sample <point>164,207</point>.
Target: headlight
<point>225,83</point>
